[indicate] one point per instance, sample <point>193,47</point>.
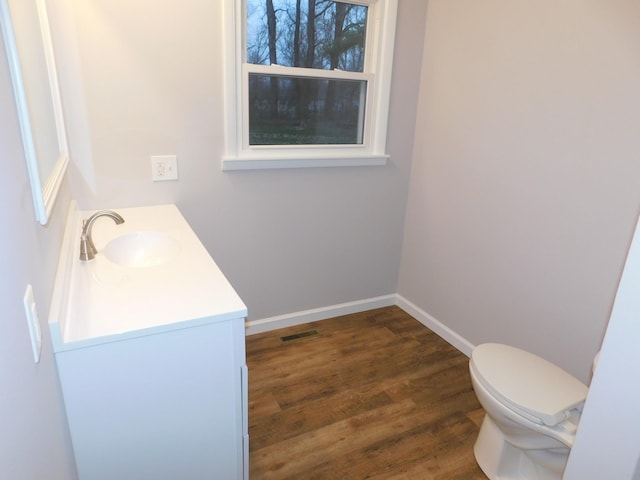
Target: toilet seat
<point>529,385</point>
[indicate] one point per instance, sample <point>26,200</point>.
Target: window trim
<point>239,156</point>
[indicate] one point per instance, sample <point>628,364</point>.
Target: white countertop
<point>101,301</point>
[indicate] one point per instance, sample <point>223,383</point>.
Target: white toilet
<point>532,412</point>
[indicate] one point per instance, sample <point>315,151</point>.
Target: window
<point>307,82</point>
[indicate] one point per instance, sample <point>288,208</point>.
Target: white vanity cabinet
<point>160,395</point>
<point>164,406</point>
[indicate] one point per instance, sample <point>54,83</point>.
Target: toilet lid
<point>526,383</point>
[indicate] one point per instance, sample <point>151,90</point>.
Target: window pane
<point>284,32</point>
<point>305,111</point>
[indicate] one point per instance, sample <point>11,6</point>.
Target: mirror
<point>25,30</point>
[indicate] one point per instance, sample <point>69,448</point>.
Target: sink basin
<point>141,249</point>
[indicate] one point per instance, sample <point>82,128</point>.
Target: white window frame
<point>239,155</point>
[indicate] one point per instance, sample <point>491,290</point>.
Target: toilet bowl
<point>532,412</point>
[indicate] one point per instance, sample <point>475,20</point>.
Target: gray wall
<point>34,440</point>
<point>147,80</point>
<point>526,174</point>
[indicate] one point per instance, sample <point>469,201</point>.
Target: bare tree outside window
<point>300,109</point>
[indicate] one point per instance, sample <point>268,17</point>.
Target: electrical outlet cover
<point>164,167</point>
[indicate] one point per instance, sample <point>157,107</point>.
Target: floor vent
<point>298,336</point>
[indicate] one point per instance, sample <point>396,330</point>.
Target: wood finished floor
<point>373,395</point>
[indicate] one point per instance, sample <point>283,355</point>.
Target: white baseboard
<point>306,316</point>
<point>435,326</point>
<point>316,314</point>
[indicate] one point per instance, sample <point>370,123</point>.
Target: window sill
<point>265,163</point>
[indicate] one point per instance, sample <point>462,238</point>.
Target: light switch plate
<point>34,322</point>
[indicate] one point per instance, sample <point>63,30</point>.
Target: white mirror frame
<point>44,184</point>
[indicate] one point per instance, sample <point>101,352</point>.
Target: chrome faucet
<point>87,248</point>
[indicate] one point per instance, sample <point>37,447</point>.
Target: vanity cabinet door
<point>159,407</point>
